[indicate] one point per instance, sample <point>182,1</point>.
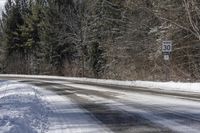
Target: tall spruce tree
<point>58,33</point>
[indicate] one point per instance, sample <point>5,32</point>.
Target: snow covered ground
<point>28,109</point>
<point>21,109</point>
<point>171,86</point>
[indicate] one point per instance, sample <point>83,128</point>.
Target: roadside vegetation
<point>112,39</point>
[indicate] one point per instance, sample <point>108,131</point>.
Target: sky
<point>2,2</point>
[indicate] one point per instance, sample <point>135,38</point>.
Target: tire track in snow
<point>116,120</point>
<point>169,123</point>
<point>70,118</point>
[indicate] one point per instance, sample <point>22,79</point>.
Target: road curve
<point>127,110</point>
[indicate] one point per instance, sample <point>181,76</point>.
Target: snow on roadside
<point>21,109</point>
<point>168,86</point>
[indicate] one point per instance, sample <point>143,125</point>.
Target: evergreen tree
<point>57,34</point>
<point>31,36</point>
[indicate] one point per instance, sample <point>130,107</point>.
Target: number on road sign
<point>167,46</point>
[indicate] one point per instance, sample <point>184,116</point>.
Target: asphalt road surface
<point>128,109</point>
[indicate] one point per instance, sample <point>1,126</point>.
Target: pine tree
<point>57,34</point>
<point>31,37</point>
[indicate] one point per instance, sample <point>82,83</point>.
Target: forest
<point>110,39</point>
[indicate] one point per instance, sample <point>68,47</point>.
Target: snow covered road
<point>29,109</point>
<point>72,107</point>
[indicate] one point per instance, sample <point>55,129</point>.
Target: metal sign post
<point>167,49</point>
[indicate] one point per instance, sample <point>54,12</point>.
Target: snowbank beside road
<point>175,86</point>
<point>170,86</point>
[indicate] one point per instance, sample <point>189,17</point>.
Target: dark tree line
<point>100,38</point>
<point>36,36</point>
